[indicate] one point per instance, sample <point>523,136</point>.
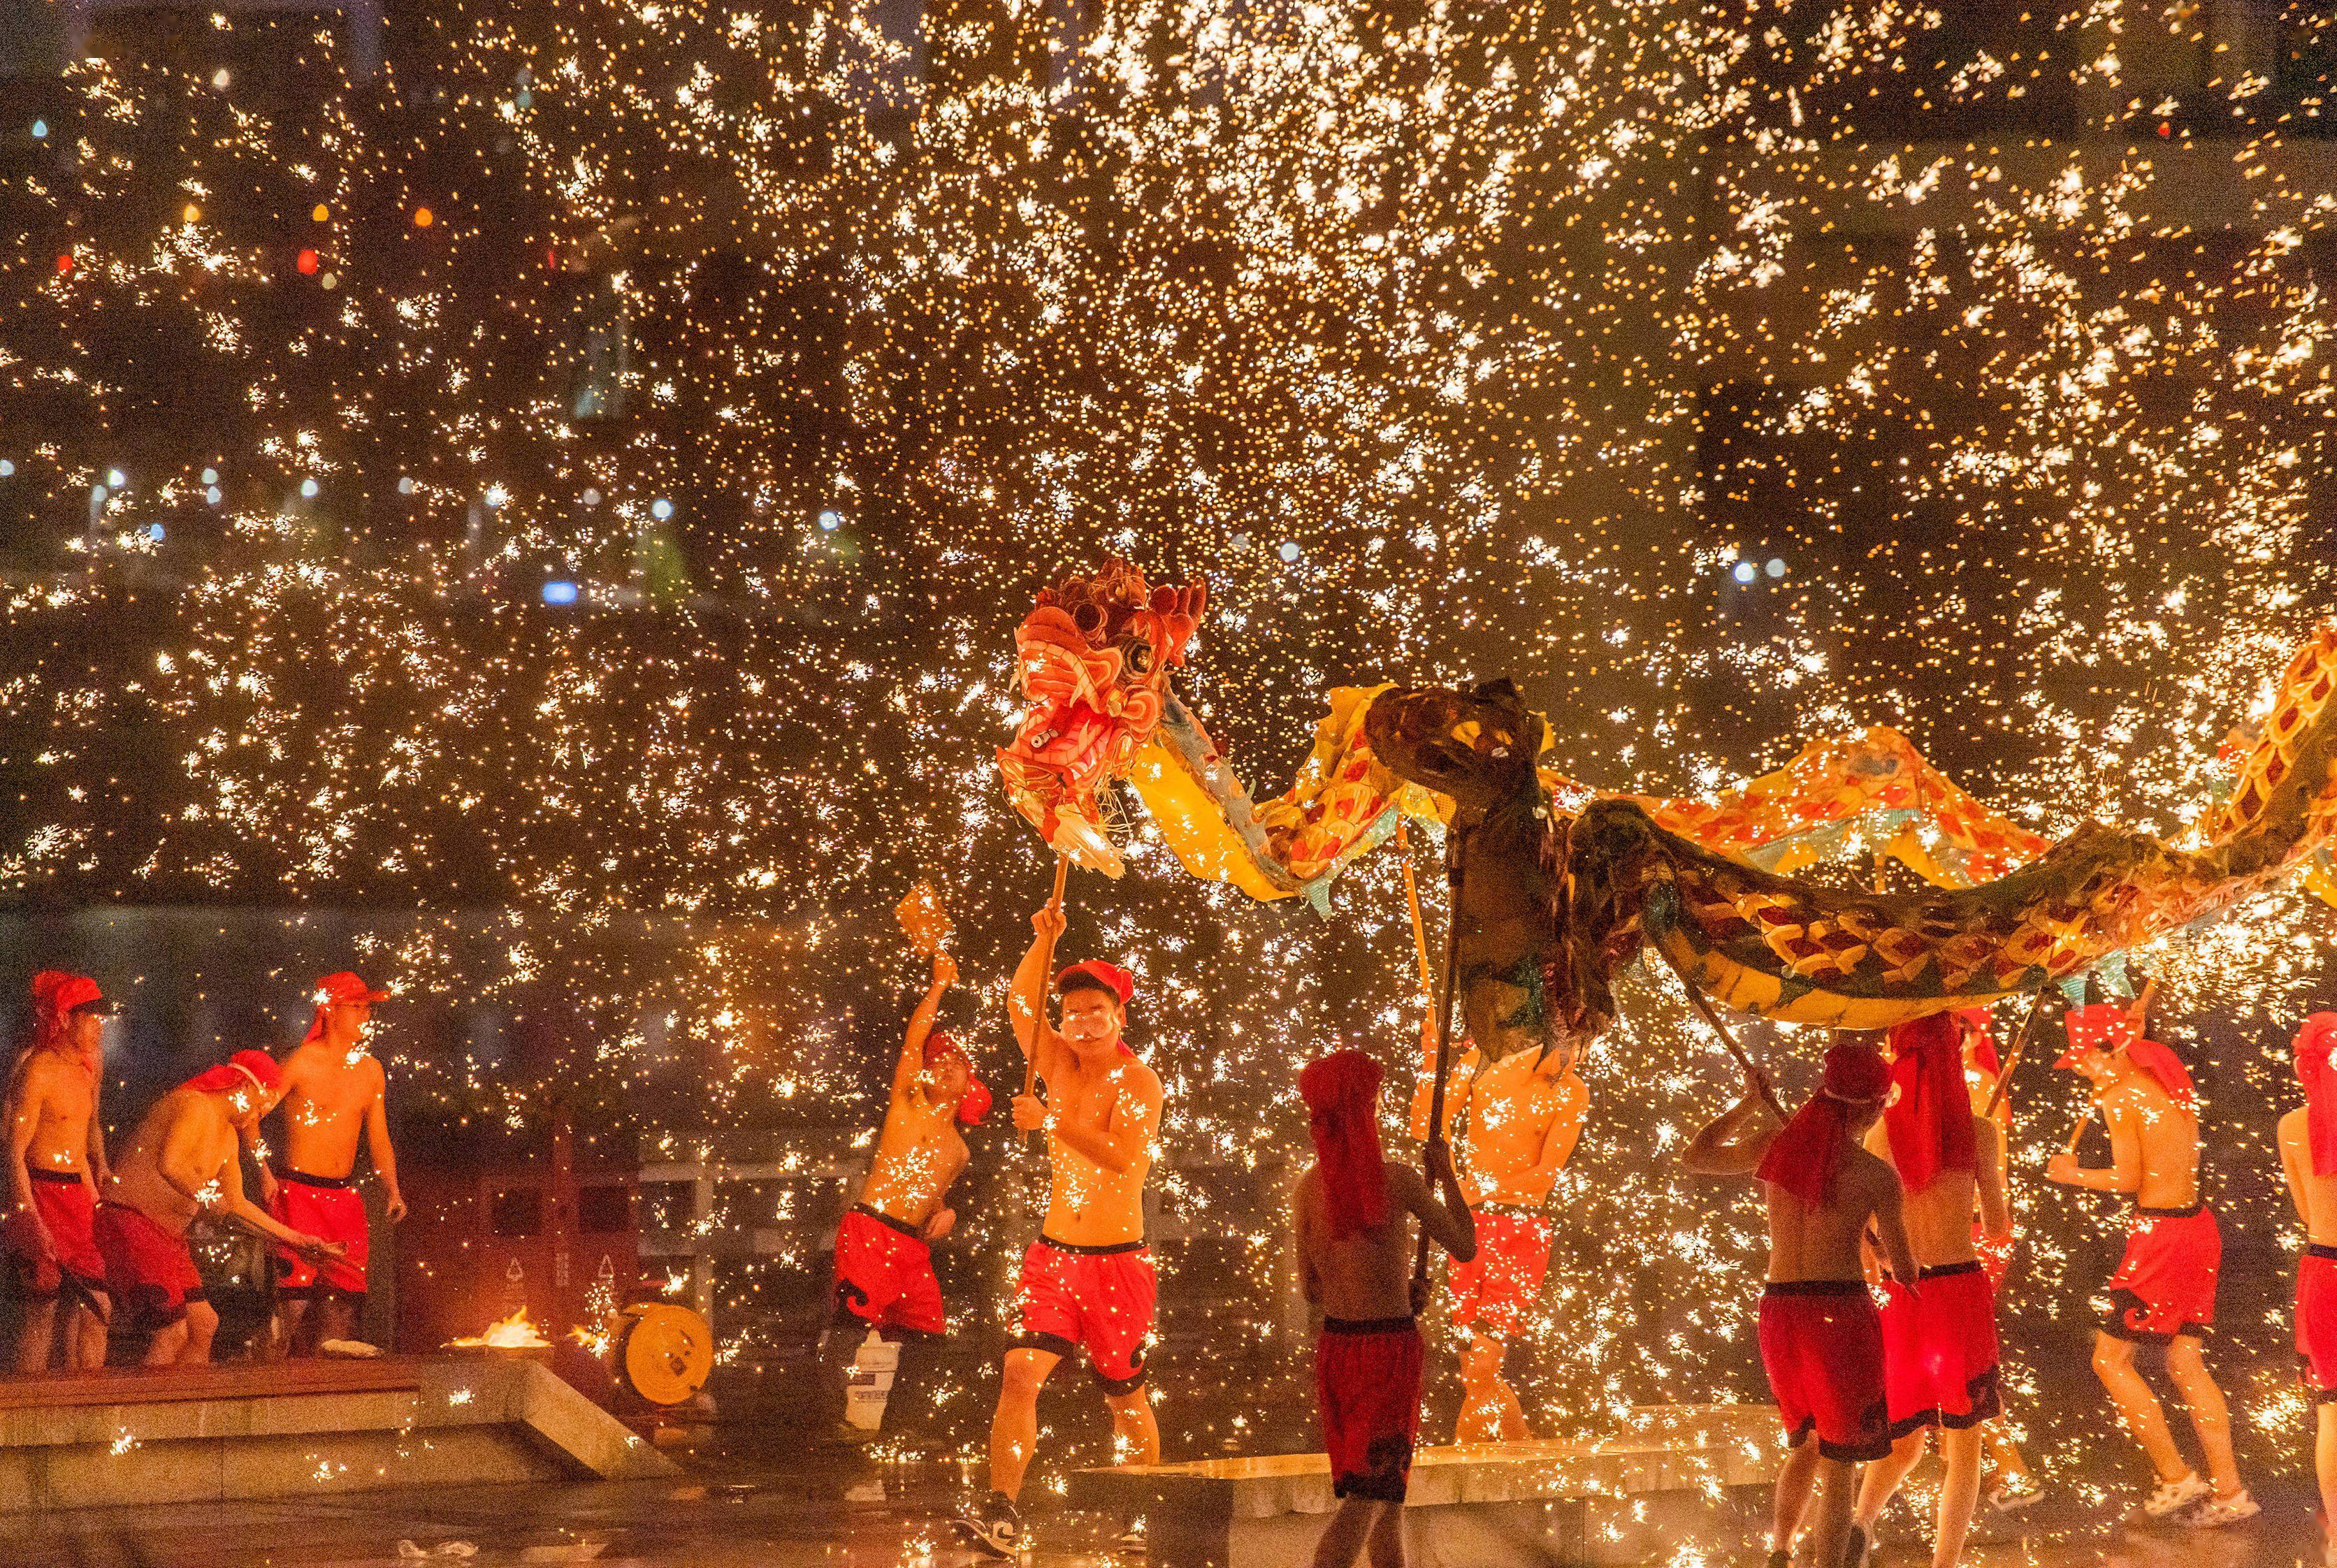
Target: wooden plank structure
<point>213,1434</point>
<point>1656,1477</point>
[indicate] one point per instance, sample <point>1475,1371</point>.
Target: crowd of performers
<point>99,1244</point>
<point>1888,1186</point>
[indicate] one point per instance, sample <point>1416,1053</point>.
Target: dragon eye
<point>1139,657</point>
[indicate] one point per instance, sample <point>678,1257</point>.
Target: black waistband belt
<point>1135,1246</point>
<point>1940,1271</point>
<point>306,1179</point>
<point>2196,1209</point>
<point>1814,1287</point>
<point>2320,1250</point>
<point>1370,1326</point>
<point>888,1222</point>
<point>62,1178</point>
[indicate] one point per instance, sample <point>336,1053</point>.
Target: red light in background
<point>307,262</point>
<point>64,264</point>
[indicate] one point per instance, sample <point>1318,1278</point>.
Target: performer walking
<point>1939,1346</point>
<point>1821,1340</point>
<point>182,1160</point>
<point>884,1247</point>
<point>1088,1279</point>
<point>1354,1266</point>
<point>2014,1486</point>
<point>1524,1114</point>
<point>333,1090</point>
<point>56,1162</point>
<point>2164,1292</point>
<point>2308,1156</point>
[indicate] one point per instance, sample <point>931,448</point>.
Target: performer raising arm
<point>2308,1156</point>
<point>56,1162</point>
<point>1354,1264</point>
<point>1088,1279</point>
<point>333,1089</point>
<point>2163,1292</point>
<point>1524,1113</point>
<point>1821,1341</point>
<point>884,1247</point>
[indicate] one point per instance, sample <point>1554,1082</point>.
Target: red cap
<point>255,1068</point>
<point>59,993</point>
<point>2097,1026</point>
<point>1096,972</point>
<point>339,989</point>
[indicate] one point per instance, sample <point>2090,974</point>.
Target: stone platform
<point>214,1434</point>
<point>1657,1478</point>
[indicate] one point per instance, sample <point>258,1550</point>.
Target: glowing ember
<point>513,1333</point>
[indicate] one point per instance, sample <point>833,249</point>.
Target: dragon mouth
<point>1057,763</point>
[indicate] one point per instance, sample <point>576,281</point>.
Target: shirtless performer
<point>333,1089</point>
<point>2015,1485</point>
<point>2163,1292</point>
<point>1354,1265</point>
<point>2308,1156</point>
<point>182,1160</point>
<point>1524,1114</point>
<point>1939,1348</point>
<point>1821,1339</point>
<point>56,1162</point>
<point>884,1249</point>
<point>1088,1279</point>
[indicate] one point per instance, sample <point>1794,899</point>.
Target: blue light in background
<point>829,522</point>
<point>560,591</point>
<point>154,532</point>
<point>660,509</point>
<point>1744,571</point>
<point>40,130</point>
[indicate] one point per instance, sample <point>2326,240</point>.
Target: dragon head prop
<point>1093,659</point>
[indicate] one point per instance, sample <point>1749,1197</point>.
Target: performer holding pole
<point>1349,1213</point>
<point>56,1163</point>
<point>1821,1339</point>
<point>2163,1292</point>
<point>2014,1486</point>
<point>2308,1158</point>
<point>884,1279</point>
<point>1088,1279</point>
<point>334,1090</point>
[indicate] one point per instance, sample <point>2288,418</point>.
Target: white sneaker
<point>2011,1493</point>
<point>2172,1496</point>
<point>2217,1512</point>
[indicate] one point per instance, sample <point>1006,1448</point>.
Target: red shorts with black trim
<point>329,1211</point>
<point>63,1201</point>
<point>1822,1346</point>
<point>1367,1389</point>
<point>1096,1297</point>
<point>2316,1321</point>
<point>149,1272</point>
<point>1492,1290</point>
<point>1938,1351</point>
<point>884,1274</point>
<point>2165,1283</point>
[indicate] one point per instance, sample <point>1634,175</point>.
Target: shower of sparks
<point>584,485</point>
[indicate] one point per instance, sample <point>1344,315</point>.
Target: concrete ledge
<point>1652,1478</point>
<point>453,1419</point>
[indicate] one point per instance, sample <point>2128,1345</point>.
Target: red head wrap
<point>1930,1124</point>
<point>2108,1026</point>
<point>2314,1041</point>
<point>338,990</point>
<point>1979,1021</point>
<point>974,1103</point>
<point>256,1068</point>
<point>1341,1092</point>
<point>1804,1155</point>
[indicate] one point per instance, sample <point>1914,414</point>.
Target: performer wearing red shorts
<point>57,1158</point>
<point>2163,1292</point>
<point>2308,1157</point>
<point>1087,1280</point>
<point>1523,1116</point>
<point>1355,1261</point>
<point>181,1161</point>
<point>1939,1342</point>
<point>1821,1341</point>
<point>884,1280</point>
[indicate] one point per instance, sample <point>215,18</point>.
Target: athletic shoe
<point>995,1526</point>
<point>2215,1512</point>
<point>2011,1493</point>
<point>2173,1496</point>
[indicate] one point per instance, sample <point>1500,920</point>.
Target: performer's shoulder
<point>1134,1072</point>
